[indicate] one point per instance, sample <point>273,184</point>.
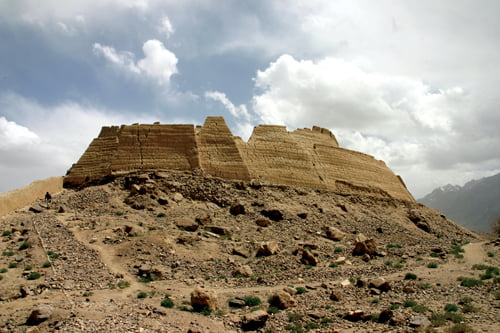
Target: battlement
<point>304,157</point>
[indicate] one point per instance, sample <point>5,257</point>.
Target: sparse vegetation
<point>28,268</point>
<point>142,294</point>
<point>450,308</point>
<point>6,233</point>
<point>161,215</point>
<point>432,265</point>
<point>33,276</point>
<point>8,253</point>
<point>123,284</point>
<point>252,301</point>
<point>490,254</point>
<point>53,255</point>
<point>4,270</point>
<point>272,310</point>
<point>301,290</point>
<point>167,302</point>
<point>13,265</point>
<point>410,276</point>
<point>338,250</point>
<point>24,246</point>
<point>394,246</point>
<point>470,282</point>
<point>46,264</point>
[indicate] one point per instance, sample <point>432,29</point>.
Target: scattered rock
<point>36,209</point>
<point>39,314</point>
<point>162,201</point>
<point>263,222</point>
<point>202,298</point>
<point>178,197</point>
<point>62,209</point>
<point>336,295</point>
<point>282,300</point>
<point>268,249</point>
<point>354,316</point>
<point>242,270</point>
<point>308,258</point>
<point>187,224</point>
<point>367,246</point>
<point>254,320</point>
<point>241,251</point>
<point>237,302</point>
<point>419,321</point>
<point>334,233</point>
<point>380,284</point>
<point>223,231</point>
<point>273,214</point>
<point>237,209</point>
<point>385,316</point>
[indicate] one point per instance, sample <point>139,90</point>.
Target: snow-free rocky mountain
<point>476,205</point>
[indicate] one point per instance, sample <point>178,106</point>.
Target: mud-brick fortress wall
<point>304,157</point>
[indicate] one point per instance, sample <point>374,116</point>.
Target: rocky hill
<point>305,157</point>
<point>187,252</point>
<point>474,205</point>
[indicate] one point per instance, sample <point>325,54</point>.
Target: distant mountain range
<point>476,205</point>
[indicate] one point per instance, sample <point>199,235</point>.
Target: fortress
<point>304,157</point>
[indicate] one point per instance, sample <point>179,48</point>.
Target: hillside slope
<point>474,205</point>
<point>106,257</point>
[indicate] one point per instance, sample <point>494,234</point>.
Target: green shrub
<point>338,250</point>
<point>272,310</point>
<point>467,308</point>
<point>388,263</point>
<point>394,306</point>
<point>252,301</point>
<point>454,317</point>
<point>491,254</point>
<point>311,326</point>
<point>434,255</point>
<point>301,290</point>
<point>409,304</point>
<point>33,276</point>
<point>1,277</point>
<point>13,265</point>
<point>470,282</point>
<point>24,245</point>
<point>145,279</point>
<point>6,233</point>
<point>394,246</point>
<point>8,253</point>
<point>167,303</point>
<point>466,300</point>
<point>410,276</point>
<point>142,294</point>
<point>119,213</point>
<point>123,284</point>
<point>450,308</point>
<point>333,265</point>
<point>161,215</point>
<point>325,321</point>
<point>398,266</point>
<point>432,265</point>
<point>52,255</point>
<point>294,316</point>
<point>419,308</point>
<point>28,268</point>
<point>4,270</point>
<point>47,264</point>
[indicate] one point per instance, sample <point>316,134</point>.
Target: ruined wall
<point>24,196</point>
<point>305,157</point>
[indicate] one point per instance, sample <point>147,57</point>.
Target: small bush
<point>33,276</point>
<point>460,328</point>
<point>252,301</point>
<point>123,284</point>
<point>409,304</point>
<point>338,250</point>
<point>333,265</point>
<point>4,270</point>
<point>419,308</point>
<point>466,300</point>
<point>161,215</point>
<point>53,255</point>
<point>119,213</point>
<point>325,321</point>
<point>311,326</point>
<point>450,308</point>
<point>398,266</point>
<point>425,286</point>
<point>6,233</point>
<point>388,263</point>
<point>294,317</point>
<point>470,282</point>
<point>467,308</point>
<point>394,246</point>
<point>167,303</point>
<point>272,310</point>
<point>145,279</point>
<point>47,264</point>
<point>432,265</point>
<point>491,254</point>
<point>28,268</point>
<point>454,317</point>
<point>8,253</point>
<point>410,276</point>
<point>301,290</point>
<point>24,245</point>
<point>13,265</point>
<point>394,306</point>
<point>434,255</point>
<point>375,301</point>
<point>142,294</point>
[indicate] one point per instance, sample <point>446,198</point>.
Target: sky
<point>412,83</point>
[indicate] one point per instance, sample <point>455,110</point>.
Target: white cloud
<point>397,119</point>
<point>239,111</point>
<point>166,27</point>
<point>158,64</point>
<point>12,135</point>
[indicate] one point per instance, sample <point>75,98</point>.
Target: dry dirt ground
<point>108,256</point>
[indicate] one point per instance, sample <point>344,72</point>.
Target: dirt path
<point>474,253</point>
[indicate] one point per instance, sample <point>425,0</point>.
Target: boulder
<point>178,197</point>
<point>419,321</point>
<point>237,209</point>
<point>39,314</point>
<point>241,251</point>
<point>203,219</point>
<point>187,224</point>
<point>380,284</point>
<point>336,295</point>
<point>385,316</point>
<point>36,209</point>
<point>268,249</point>
<point>308,258</point>
<point>263,222</point>
<point>282,300</point>
<point>354,316</point>
<point>334,234</point>
<point>368,246</point>
<point>162,201</point>
<point>202,298</point>
<point>273,214</point>
<point>254,320</point>
<point>242,270</point>
<point>218,230</point>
